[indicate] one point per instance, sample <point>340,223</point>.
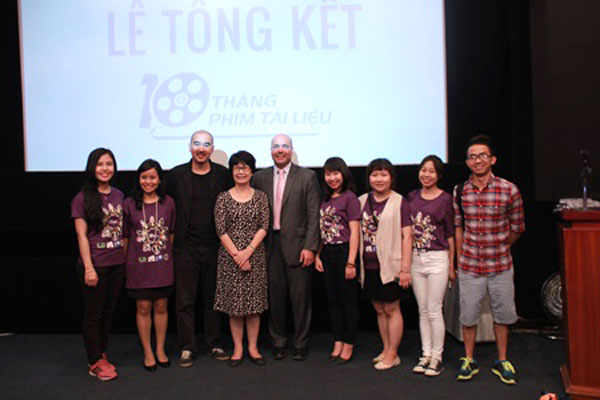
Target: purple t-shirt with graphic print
<point>335,216</point>
<point>106,246</point>
<point>149,252</point>
<point>432,220</point>
<point>369,228</point>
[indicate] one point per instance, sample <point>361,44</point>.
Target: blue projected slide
<point>358,79</point>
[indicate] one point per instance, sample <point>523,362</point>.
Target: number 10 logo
<point>178,100</point>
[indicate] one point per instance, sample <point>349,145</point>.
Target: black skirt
<point>150,293</point>
<point>375,290</point>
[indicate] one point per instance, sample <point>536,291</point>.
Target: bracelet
<point>406,272</point>
<point>350,265</point>
<point>252,247</point>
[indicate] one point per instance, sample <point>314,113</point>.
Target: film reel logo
<point>178,101</point>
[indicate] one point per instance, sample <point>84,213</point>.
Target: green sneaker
<point>505,371</point>
<point>468,369</point>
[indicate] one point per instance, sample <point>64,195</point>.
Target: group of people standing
<point>248,241</point>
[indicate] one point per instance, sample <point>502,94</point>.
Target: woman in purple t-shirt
<point>149,223</point>
<point>385,250</point>
<point>336,258</point>
<point>97,211</point>
<point>432,261</point>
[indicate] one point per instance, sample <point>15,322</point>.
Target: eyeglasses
<point>241,168</point>
<point>480,156</point>
<point>198,143</point>
<point>284,146</point>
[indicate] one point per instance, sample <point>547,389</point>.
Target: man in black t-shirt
<point>195,186</point>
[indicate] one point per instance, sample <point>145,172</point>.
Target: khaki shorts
<point>501,289</point>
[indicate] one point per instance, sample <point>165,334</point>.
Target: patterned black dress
<point>240,293</point>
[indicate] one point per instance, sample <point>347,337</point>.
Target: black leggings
<point>99,305</point>
<point>342,293</point>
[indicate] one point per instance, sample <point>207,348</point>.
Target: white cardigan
<point>388,239</point>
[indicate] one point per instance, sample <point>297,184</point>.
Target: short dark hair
<point>137,193</point>
<point>438,165</point>
<point>338,164</point>
<point>484,140</point>
<point>380,164</point>
<point>243,157</point>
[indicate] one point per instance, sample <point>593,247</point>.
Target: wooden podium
<point>579,241</point>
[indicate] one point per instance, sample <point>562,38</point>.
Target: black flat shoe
<point>258,360</point>
<point>235,363</point>
<point>332,358</point>
<point>150,368</point>
<point>165,364</point>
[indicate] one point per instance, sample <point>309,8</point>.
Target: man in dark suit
<point>195,186</point>
<point>293,239</point>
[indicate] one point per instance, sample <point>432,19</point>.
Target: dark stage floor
<point>54,367</point>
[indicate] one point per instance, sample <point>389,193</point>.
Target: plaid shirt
<point>490,215</point>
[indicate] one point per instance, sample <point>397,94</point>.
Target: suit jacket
<point>179,187</point>
<point>299,210</point>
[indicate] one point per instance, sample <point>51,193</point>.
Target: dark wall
<point>565,58</point>
<point>489,91</point>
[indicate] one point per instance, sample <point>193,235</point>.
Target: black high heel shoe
<point>235,363</point>
<point>165,364</point>
<point>260,361</point>
<point>150,368</point>
<point>342,360</point>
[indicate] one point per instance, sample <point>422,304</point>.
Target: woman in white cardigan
<point>385,251</point>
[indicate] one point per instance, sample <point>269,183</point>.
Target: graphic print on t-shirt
<point>112,224</point>
<point>369,229</point>
<point>422,231</point>
<point>153,236</point>
<point>330,224</point>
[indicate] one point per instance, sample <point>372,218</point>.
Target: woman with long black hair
<point>98,214</point>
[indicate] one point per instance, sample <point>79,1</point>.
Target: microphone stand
<point>586,172</point>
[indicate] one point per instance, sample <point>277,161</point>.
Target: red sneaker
<point>102,371</point>
<point>108,364</point>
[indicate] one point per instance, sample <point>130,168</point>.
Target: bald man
<point>293,239</point>
<point>195,186</point>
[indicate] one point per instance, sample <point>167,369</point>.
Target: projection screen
<point>356,79</point>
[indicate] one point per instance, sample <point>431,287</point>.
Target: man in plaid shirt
<point>488,215</point>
